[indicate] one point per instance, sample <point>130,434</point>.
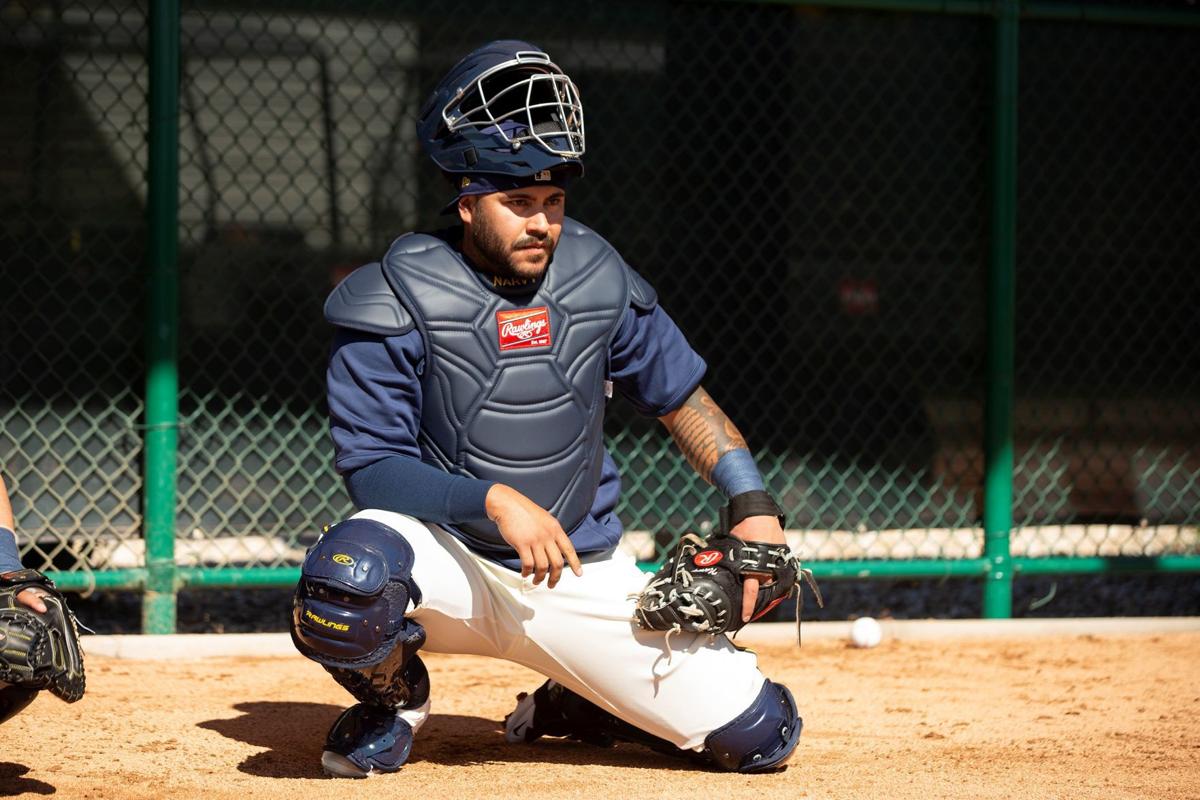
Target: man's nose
<point>537,223</point>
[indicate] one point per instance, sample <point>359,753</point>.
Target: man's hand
<point>533,532</point>
<point>756,529</point>
<point>32,598</point>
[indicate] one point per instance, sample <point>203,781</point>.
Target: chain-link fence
<point>808,188</point>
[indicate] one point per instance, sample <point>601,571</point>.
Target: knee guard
<point>762,736</point>
<point>355,585</point>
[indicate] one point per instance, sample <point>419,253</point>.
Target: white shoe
<point>518,723</point>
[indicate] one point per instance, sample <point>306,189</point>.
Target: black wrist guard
<point>748,504</point>
<point>23,577</point>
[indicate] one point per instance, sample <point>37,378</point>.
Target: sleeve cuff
<point>467,500</point>
<point>679,399</point>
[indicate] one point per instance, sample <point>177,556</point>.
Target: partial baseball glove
<point>699,590</point>
<point>39,651</point>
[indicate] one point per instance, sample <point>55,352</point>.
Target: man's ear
<point>466,208</point>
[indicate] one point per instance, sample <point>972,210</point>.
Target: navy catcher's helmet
<point>504,109</point>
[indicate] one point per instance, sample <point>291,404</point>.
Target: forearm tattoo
<point>704,433</point>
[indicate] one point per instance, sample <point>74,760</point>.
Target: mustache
<point>531,241</point>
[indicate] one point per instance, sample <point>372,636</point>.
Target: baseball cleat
<point>366,740</point>
<point>519,724</point>
<point>554,710</point>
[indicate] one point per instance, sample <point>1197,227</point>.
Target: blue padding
<point>762,736</point>
<point>342,633</point>
<point>365,302</point>
<point>373,739</point>
<point>354,590</point>
<point>348,565</point>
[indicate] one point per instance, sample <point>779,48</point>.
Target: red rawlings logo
<point>707,558</point>
<point>526,327</point>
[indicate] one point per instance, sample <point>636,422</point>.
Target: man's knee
<point>355,586</point>
<point>761,737</point>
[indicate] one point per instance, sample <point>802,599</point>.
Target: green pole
<point>998,412</point>
<point>162,323</point>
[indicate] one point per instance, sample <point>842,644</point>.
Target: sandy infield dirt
<point>1066,717</point>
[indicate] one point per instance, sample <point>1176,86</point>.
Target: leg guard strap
<point>399,681</point>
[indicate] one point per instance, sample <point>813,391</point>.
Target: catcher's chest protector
<point>513,387</point>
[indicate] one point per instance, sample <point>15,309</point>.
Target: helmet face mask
<point>505,109</point>
<point>526,99</point>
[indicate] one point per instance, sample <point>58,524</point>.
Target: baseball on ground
<point>865,632</point>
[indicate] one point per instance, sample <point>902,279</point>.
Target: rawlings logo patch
<point>343,559</point>
<point>521,328</point>
<point>707,558</point>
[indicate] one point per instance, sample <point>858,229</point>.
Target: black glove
<point>699,590</point>
<point>39,651</point>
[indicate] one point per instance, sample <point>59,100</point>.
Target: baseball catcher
<point>38,649</point>
<point>467,385</point>
<point>39,638</point>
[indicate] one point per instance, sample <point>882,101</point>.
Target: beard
<point>509,260</point>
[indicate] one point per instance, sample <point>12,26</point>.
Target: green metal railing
<point>927,384</point>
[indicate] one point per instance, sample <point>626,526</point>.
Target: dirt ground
<point>1079,717</point>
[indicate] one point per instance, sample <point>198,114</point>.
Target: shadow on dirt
<point>294,734</point>
<point>12,784</point>
<point>455,740</point>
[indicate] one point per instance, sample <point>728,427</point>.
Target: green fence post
<point>162,323</point>
<point>998,414</point>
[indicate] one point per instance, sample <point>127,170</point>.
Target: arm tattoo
<point>703,432</point>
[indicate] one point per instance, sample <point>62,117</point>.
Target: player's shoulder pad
<point>641,294</point>
<point>364,301</point>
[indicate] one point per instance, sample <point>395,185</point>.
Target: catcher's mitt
<point>39,651</point>
<point>699,590</point>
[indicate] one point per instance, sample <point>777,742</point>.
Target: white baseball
<point>865,632</point>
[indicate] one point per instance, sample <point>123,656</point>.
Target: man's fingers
<point>526,556</point>
<point>568,550</point>
<point>556,564</point>
<point>33,599</point>
<point>749,597</point>
<point>540,563</point>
